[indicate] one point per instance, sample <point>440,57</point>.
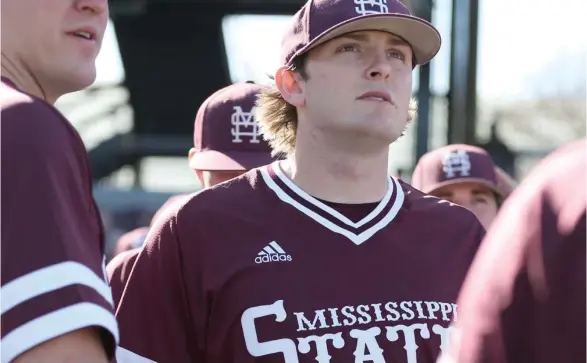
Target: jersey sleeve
<point>53,272</point>
<point>153,313</point>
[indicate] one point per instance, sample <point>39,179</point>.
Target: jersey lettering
<point>369,342</point>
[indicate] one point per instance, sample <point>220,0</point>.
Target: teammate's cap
<point>226,134</point>
<point>321,20</point>
<point>454,164</point>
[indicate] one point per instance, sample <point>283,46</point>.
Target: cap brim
<point>212,160</point>
<point>420,34</point>
<point>481,181</point>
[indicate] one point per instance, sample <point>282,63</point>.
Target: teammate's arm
<point>53,281</point>
<point>153,314</point>
<point>79,346</point>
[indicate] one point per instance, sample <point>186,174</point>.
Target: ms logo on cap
<point>456,161</point>
<point>244,124</point>
<point>366,7</point>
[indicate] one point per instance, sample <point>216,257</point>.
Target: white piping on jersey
<point>333,212</point>
<point>49,279</point>
<point>355,238</point>
<point>54,324</point>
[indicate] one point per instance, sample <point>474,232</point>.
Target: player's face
<point>50,39</point>
<point>475,197</point>
<point>360,82</point>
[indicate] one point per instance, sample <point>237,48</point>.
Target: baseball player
<point>465,175</point>
<point>220,153</point>
<point>56,304</point>
<point>524,298</point>
<point>323,256</point>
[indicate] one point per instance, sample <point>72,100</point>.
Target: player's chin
<point>380,134</point>
<point>383,127</point>
<point>388,133</point>
<point>80,77</point>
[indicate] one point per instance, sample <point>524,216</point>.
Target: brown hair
<point>279,119</point>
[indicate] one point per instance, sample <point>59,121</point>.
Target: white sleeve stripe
<point>126,356</point>
<point>51,278</point>
<point>54,324</point>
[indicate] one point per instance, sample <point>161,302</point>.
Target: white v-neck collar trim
<point>333,212</point>
<point>357,239</point>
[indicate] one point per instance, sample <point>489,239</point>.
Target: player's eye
<point>394,53</point>
<point>481,200</point>
<point>348,48</point>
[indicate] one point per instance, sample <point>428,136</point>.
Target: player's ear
<point>199,173</point>
<point>200,176</point>
<point>289,84</point>
<point>191,155</point>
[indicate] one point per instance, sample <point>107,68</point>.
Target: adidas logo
<point>272,253</point>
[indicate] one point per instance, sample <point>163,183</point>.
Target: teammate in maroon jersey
<point>56,305</point>
<point>126,251</point>
<point>524,298</point>
<point>218,155</point>
<point>465,175</point>
<point>321,257</point>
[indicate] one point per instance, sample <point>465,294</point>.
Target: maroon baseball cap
<point>319,21</point>
<point>454,164</point>
<point>227,136</point>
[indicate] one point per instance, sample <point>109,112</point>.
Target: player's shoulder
<point>435,208</point>
<point>10,96</point>
<point>20,107</point>
<point>564,166</point>
<point>121,262</point>
<point>555,187</point>
<point>25,117</point>
<point>233,197</point>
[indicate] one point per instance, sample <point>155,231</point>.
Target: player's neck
<point>23,79</point>
<point>339,177</point>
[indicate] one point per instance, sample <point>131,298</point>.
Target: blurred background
<point>510,77</point>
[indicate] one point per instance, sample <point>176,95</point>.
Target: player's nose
<point>380,67</point>
<point>99,7</point>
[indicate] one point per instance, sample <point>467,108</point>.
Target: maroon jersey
<point>118,270</point>
<point>256,270</point>
<point>524,300</point>
<point>53,277</point>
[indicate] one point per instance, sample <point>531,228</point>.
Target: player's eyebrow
<point>481,192</point>
<point>392,40</point>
